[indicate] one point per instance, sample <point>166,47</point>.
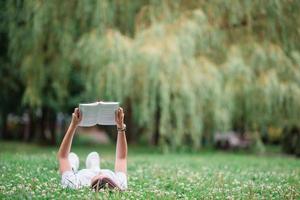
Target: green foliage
<point>174,67</point>
<point>185,68</point>
<point>31,172</point>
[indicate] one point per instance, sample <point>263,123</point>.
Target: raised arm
<point>121,149</point>
<point>65,146</point>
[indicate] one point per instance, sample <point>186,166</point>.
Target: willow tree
<point>41,39</point>
<point>194,68</point>
<point>42,36</point>
<point>172,92</point>
<point>11,88</point>
<point>183,70</point>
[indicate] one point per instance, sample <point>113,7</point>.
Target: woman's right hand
<point>119,118</point>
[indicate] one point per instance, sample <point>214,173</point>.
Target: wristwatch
<point>122,129</point>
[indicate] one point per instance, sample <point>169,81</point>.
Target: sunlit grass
<point>31,172</point>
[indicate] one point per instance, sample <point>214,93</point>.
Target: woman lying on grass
<point>93,176</point>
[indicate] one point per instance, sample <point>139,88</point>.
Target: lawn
<point>31,172</point>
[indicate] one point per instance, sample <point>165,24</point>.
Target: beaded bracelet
<point>122,129</point>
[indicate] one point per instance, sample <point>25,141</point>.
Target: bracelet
<point>122,129</point>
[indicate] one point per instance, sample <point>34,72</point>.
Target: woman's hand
<point>119,117</point>
<point>76,117</point>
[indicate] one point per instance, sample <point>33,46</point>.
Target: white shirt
<point>83,178</point>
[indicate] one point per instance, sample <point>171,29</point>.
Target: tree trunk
<point>42,132</point>
<point>4,133</point>
<point>48,126</point>
<point>155,136</point>
<point>52,127</point>
<point>26,126</point>
<point>32,122</point>
<point>30,127</point>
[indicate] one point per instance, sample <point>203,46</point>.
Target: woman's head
<point>102,181</point>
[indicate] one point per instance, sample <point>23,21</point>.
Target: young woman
<point>93,176</point>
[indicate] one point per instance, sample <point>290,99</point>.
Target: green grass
<point>31,172</point>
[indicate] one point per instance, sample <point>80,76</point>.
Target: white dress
<point>83,178</point>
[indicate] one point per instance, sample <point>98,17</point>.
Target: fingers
<point>120,111</point>
<point>75,110</point>
<point>119,115</point>
<point>77,114</point>
<point>80,115</point>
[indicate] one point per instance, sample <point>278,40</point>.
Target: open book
<point>102,113</point>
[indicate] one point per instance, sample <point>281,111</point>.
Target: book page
<point>89,113</point>
<point>107,113</point>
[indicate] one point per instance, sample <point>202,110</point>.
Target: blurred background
<point>190,74</point>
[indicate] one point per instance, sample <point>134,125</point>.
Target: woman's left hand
<point>76,117</point>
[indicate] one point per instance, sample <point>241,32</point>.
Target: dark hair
<point>104,183</point>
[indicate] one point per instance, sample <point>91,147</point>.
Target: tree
<point>182,69</point>
<point>11,87</point>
